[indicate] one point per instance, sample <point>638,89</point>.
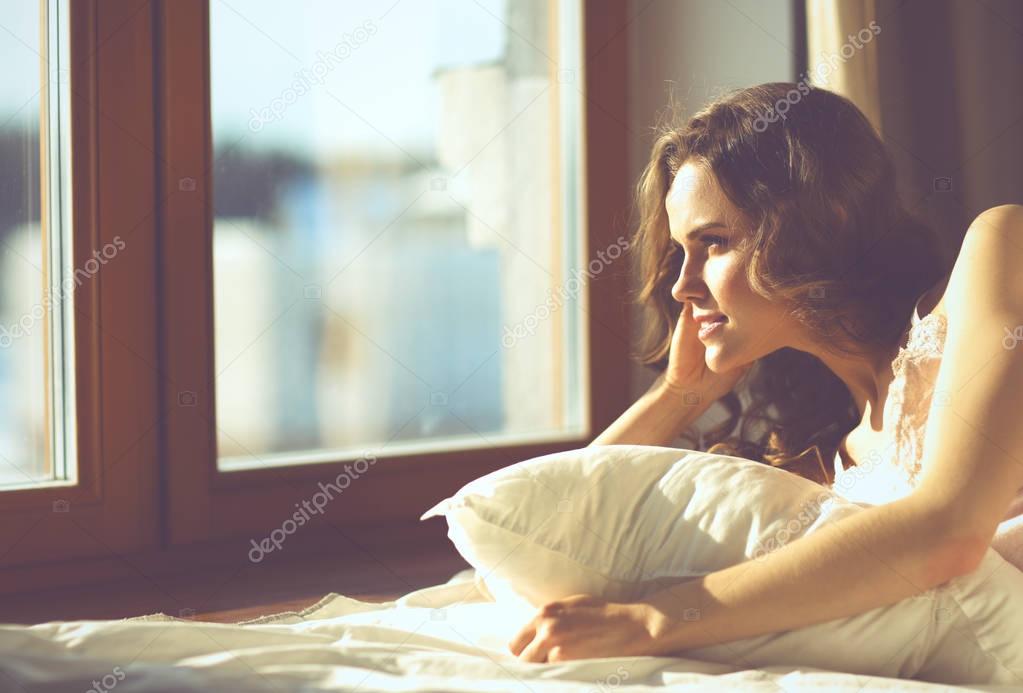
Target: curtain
<point>842,52</point>
<point>942,80</point>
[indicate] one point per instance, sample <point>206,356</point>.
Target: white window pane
<point>35,330</point>
<point>396,198</point>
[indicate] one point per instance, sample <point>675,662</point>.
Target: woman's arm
<point>656,418</point>
<point>876,557</point>
<point>973,452</point>
<point>973,466</point>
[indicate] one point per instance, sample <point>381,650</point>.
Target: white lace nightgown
<point>893,472</point>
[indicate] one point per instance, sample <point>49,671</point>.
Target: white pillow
<point>623,521</point>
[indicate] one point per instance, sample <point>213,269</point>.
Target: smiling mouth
<point>712,327</point>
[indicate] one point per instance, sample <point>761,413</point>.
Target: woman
<point>776,238</point>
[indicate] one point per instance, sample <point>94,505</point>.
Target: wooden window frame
<point>148,468</point>
<point>208,504</point>
<point>110,509</point>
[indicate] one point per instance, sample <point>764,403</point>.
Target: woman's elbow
<point>952,555</point>
<point>953,545</point>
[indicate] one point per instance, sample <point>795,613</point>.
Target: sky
<point>381,90</point>
<point>19,54</point>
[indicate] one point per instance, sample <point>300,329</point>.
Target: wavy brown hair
<point>829,238</point>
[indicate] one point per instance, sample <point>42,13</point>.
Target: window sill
<point>228,593</point>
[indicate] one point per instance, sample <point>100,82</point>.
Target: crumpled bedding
<point>448,637</point>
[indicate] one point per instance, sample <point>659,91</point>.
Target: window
<point>36,270</point>
<point>396,221</point>
<point>80,365</point>
<point>245,298</point>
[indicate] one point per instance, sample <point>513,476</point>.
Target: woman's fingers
<point>688,341</point>
<point>536,652</point>
<point>533,642</point>
<point>680,326</point>
<point>524,637</point>
<point>685,357</point>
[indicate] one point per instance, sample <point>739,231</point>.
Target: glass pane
<point>34,245</point>
<point>396,238</point>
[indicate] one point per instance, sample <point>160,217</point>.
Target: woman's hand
<point>583,626</point>
<point>687,370</point>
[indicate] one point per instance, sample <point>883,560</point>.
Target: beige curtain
<point>945,80</point>
<point>838,57</point>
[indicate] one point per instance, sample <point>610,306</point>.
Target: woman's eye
<point>708,241</point>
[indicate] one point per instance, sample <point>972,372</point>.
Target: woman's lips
<point>711,327</point>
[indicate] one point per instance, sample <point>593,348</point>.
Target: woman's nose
<point>676,290</point>
<point>687,286</point>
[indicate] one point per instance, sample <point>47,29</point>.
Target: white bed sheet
<point>448,637</point>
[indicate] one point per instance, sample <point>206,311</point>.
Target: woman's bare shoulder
<point>1000,218</point>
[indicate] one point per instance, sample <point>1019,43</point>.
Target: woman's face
<point>711,231</point>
